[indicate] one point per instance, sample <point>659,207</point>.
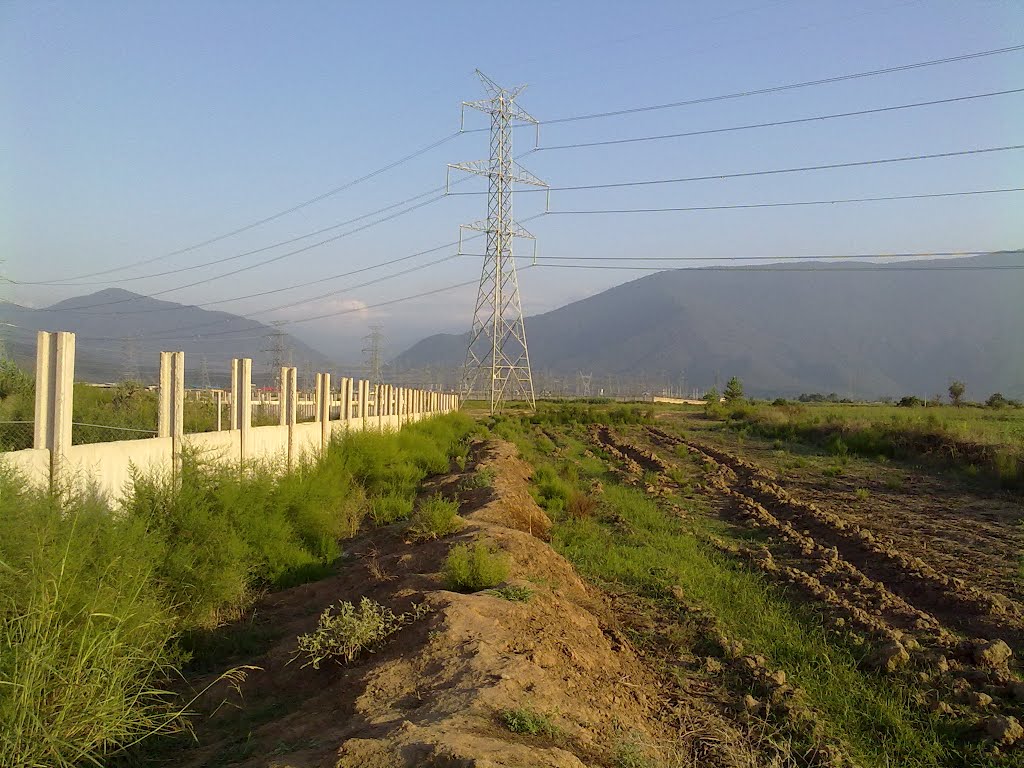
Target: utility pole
<point>497,351</point>
<point>373,355</point>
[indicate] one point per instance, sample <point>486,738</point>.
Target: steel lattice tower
<point>497,342</point>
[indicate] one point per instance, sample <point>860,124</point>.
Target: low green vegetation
<point>482,478</point>
<point>435,518</point>
<point>345,631</point>
<point>99,609</point>
<point>471,568</point>
<point>514,593</point>
<point>530,722</point>
<point>989,438</point>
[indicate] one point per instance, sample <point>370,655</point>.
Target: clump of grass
<point>345,631</point>
<point>862,493</point>
<point>629,754</point>
<point>530,722</point>
<point>833,471</point>
<point>514,593</point>
<point>390,508</point>
<point>435,518</point>
<point>580,505</point>
<point>473,568</point>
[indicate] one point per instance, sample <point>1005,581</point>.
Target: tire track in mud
<point>903,638</point>
<point>952,601</point>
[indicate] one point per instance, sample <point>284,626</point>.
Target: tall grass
<point>98,610</point>
<point>991,439</point>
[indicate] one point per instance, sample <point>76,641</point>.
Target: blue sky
<point>130,130</point>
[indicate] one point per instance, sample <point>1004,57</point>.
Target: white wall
<point>108,467</point>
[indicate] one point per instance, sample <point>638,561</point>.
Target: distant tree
<point>996,400</point>
<point>934,401</point>
<point>910,401</point>
<point>956,392</point>
<point>734,390</point>
<point>712,396</point>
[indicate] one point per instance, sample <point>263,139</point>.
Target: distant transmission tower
<point>372,352</point>
<point>278,352</point>
<point>204,375</point>
<point>497,350</point>
<point>585,379</point>
<point>129,359</point>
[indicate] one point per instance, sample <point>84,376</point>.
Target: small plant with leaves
<point>473,568</point>
<point>482,478</point>
<point>514,593</point>
<point>435,518</point>
<point>863,494</point>
<point>345,631</point>
<point>528,721</point>
<point>389,508</point>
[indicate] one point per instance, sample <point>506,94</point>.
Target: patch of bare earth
<point>946,633</point>
<point>435,693</point>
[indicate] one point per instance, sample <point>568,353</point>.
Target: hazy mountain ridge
<point>110,321</point>
<point>863,329</point>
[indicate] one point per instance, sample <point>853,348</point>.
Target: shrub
<point>482,478</point>
<point>862,493</point>
<point>733,390</point>
<point>580,505</point>
<point>345,631</point>
<point>435,518</point>
<point>472,568</point>
<point>85,634</point>
<point>528,721</point>
<point>996,400</point>
<point>389,508</point>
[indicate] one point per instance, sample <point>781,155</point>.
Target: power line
<point>818,257</point>
<point>789,204</point>
<point>258,264</point>
<point>822,268</point>
<point>743,174</point>
<point>279,214</point>
<point>252,252</point>
<point>786,87</point>
<point>775,123</point>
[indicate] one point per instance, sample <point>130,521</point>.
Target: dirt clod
<point>888,657</point>
<point>994,654</point>
<point>1004,729</point>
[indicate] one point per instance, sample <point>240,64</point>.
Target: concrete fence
<point>350,406</point>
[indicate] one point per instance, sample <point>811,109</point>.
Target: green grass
<point>513,593</point>
<point>528,721</point>
<point>346,631</point>
<point>471,568</point>
<point>992,438</point>
<point>98,610</point>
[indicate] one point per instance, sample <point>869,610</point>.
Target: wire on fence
<point>16,435</point>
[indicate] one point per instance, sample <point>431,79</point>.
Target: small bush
<point>472,568</point>
<point>525,720</point>
<point>482,478</point>
<point>863,494</point>
<point>580,505</point>
<point>345,631</point>
<point>389,508</point>
<point>513,593</point>
<point>435,518</point>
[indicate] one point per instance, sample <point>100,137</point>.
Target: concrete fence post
<point>345,399</point>
<point>361,406</point>
<point>288,406</point>
<point>55,392</point>
<point>241,401</point>
<point>323,399</point>
<point>376,404</point>
<point>170,420</point>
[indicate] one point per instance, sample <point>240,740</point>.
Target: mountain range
<point>861,329</point>
<point>118,331</point>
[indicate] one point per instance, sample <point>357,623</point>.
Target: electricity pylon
<point>278,351</point>
<point>373,353</point>
<point>585,379</point>
<point>497,340</point>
